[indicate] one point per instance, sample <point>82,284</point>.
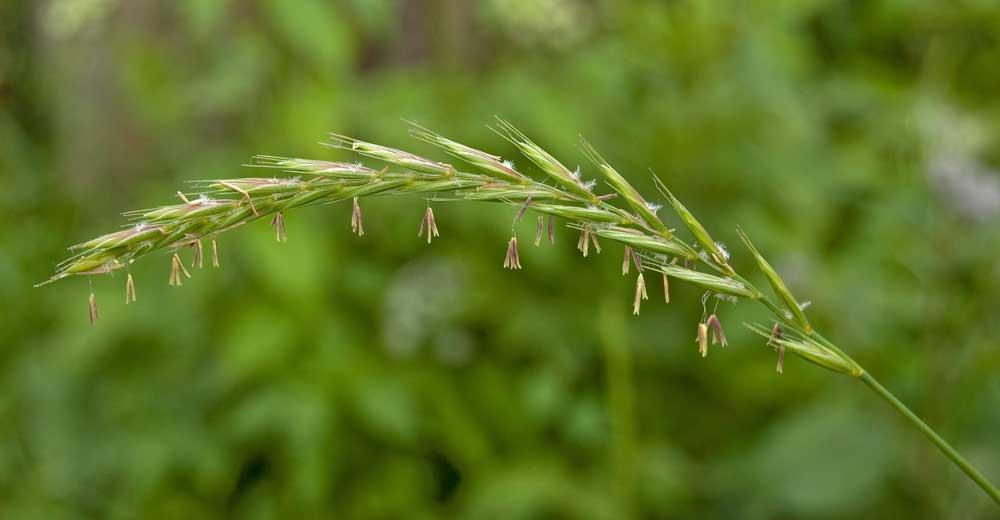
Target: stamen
<point>197,260</point>
<point>215,253</point>
<point>524,207</point>
<point>626,260</point>
<point>666,288</point>
<point>636,260</point>
<point>538,230</point>
<point>776,333</point>
<point>356,226</point>
<point>717,334</point>
<point>512,260</point>
<point>429,225</point>
<point>176,268</point>
<point>92,301</point>
<point>597,245</point>
<point>279,227</point>
<point>640,294</point>
<point>552,231</point>
<point>702,339</point>
<point>245,193</point>
<point>129,289</point>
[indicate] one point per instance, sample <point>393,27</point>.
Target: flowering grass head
<point>622,216</point>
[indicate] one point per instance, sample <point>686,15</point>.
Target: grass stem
<point>942,444</point>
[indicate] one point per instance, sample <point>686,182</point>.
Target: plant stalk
<point>942,444</point>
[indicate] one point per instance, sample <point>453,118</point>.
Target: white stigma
<point>722,248</point>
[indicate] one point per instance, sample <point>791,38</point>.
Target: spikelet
<point>777,284</point>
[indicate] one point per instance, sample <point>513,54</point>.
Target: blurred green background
<point>384,378</point>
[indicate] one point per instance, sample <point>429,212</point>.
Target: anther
<point>129,289</point>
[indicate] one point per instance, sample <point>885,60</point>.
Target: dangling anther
<point>702,339</point>
<point>597,245</point>
<point>524,207</point>
<point>129,289</point>
<point>92,301</point>
<point>717,334</point>
<point>640,294</point>
<point>245,194</point>
<point>176,268</point>
<point>356,225</point>
<point>197,260</point>
<point>512,260</point>
<point>279,227</point>
<point>773,342</point>
<point>215,253</point>
<point>427,224</point>
<point>583,245</point>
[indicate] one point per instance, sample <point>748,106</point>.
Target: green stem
<point>942,444</point>
<point>621,401</point>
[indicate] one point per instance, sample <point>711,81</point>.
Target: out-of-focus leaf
<point>314,30</point>
<point>831,458</point>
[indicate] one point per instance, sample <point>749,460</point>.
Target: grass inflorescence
<point>623,216</point>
